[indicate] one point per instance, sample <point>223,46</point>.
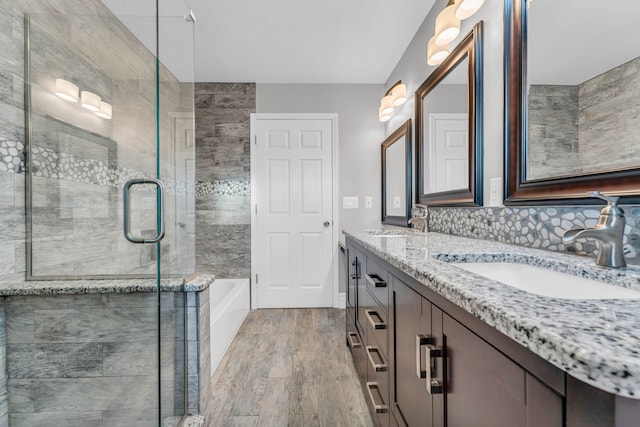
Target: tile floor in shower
<point>289,367</point>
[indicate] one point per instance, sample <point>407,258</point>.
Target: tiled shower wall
<point>223,198</point>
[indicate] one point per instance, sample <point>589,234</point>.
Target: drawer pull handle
<point>376,281</point>
<point>434,385</point>
<point>378,367</point>
<point>421,341</point>
<point>378,408</point>
<point>352,343</point>
<point>375,324</point>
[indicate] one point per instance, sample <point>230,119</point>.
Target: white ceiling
<point>571,41</point>
<point>280,41</point>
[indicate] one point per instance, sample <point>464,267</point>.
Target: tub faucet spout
<point>608,233</point>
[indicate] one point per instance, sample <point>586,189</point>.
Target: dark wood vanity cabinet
<point>482,387</point>
<point>424,361</point>
<point>367,326</point>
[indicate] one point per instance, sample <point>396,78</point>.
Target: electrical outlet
<point>350,202</point>
<point>368,202</point>
<point>495,192</point>
<point>397,204</point>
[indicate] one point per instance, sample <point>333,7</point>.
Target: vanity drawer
<point>377,326</point>
<point>377,386</point>
<point>377,279</point>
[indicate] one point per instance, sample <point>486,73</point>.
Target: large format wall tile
<point>223,199</point>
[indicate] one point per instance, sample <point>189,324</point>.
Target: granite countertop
<point>194,283</point>
<point>576,335</point>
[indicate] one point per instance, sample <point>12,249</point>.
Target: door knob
<point>327,223</point>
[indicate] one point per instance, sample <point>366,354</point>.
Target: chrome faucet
<point>420,222</point>
<point>608,233</point>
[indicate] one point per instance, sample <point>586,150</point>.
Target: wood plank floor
<point>289,367</point>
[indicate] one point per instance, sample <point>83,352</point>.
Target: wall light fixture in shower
<point>67,90</point>
<point>106,110</point>
<point>90,100</point>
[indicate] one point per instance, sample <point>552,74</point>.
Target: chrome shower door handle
<point>160,213</point>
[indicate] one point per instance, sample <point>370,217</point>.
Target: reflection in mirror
<point>572,119</point>
<point>445,121</point>
<point>449,128</point>
<point>578,103</point>
<point>396,176</point>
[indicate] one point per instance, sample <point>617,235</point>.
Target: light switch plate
<point>396,202</point>
<point>368,202</point>
<point>495,192</point>
<point>350,202</point>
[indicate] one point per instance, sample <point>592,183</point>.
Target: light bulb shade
<point>399,94</point>
<point>436,53</point>
<point>67,90</point>
<point>383,117</point>
<point>466,8</point>
<point>447,25</point>
<point>386,105</point>
<point>90,100</point>
<point>106,110</point>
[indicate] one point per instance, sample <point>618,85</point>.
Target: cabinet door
<point>351,279</point>
<point>487,389</point>
<point>412,319</point>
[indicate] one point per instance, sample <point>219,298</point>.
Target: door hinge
<point>255,139</point>
<point>256,209</point>
<point>256,279</point>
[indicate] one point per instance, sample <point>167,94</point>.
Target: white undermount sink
<point>549,283</point>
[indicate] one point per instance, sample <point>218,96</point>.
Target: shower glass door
<point>108,99</point>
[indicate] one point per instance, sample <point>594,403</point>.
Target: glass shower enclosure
<point>108,167</point>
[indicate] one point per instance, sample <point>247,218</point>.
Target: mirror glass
<point>449,128</point>
<point>583,86</point>
<point>445,124</point>
<point>396,176</point>
<point>572,117</point>
<point>395,173</point>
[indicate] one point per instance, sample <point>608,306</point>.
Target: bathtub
<point>229,305</point>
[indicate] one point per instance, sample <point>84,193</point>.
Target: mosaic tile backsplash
<point>535,227</point>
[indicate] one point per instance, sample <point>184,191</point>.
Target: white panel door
<point>292,177</point>
<point>448,152</point>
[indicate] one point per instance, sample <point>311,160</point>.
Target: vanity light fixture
<point>447,25</point>
<point>106,110</point>
<point>466,8</point>
<point>448,28</point>
<point>395,96</point>
<point>67,90</point>
<point>436,53</point>
<point>90,100</point>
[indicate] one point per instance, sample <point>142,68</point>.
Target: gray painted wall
<point>359,137</point>
<point>412,69</point>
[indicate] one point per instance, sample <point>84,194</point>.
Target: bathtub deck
<point>289,368</point>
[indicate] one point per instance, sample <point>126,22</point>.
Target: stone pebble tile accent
<point>223,188</point>
<point>534,227</point>
<point>49,163</point>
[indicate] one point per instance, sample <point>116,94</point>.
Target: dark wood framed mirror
<point>449,128</point>
<point>396,176</point>
<point>571,111</point>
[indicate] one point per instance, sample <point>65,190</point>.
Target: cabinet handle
<point>376,281</point>
<point>421,341</point>
<point>352,344</point>
<point>378,367</point>
<point>374,324</point>
<point>355,274</point>
<point>434,386</point>
<point>379,409</point>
